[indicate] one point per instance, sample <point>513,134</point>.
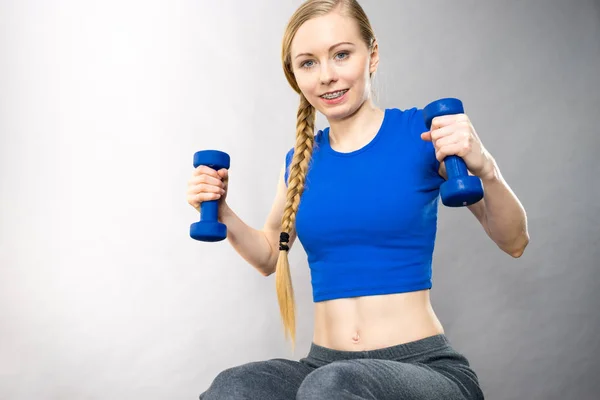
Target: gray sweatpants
<point>428,368</point>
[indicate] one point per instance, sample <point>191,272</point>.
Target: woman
<point>362,197</point>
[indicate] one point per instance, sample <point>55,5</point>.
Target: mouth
<point>333,95</point>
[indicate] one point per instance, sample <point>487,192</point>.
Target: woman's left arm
<point>500,212</point>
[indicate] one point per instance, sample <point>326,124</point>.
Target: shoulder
<point>411,118</point>
<point>411,121</point>
<point>408,123</point>
<point>290,154</point>
<point>288,157</point>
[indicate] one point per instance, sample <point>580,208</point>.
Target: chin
<point>339,112</point>
<point>336,114</point>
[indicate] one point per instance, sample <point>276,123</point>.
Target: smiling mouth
<point>333,95</point>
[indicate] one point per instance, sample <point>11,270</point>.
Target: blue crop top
<point>368,219</point>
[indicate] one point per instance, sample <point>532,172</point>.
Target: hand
<point>206,184</point>
<point>455,135</point>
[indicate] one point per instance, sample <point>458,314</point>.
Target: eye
<point>342,53</point>
<point>304,64</point>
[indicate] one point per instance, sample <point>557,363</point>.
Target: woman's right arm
<point>260,248</point>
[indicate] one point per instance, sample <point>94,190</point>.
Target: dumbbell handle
<point>455,166</point>
<point>209,210</point>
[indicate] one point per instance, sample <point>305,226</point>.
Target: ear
<point>374,58</point>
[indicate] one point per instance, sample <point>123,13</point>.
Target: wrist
<point>224,212</point>
<point>490,172</point>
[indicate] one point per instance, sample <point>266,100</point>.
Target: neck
<point>356,129</point>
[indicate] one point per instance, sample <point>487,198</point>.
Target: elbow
<point>518,247</point>
<point>268,269</point>
<point>264,268</point>
<point>517,253</point>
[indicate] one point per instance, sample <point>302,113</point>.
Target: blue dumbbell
<point>209,229</point>
<point>461,189</point>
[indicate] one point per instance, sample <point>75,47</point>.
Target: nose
<point>328,73</point>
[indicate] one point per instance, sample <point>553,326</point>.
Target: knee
<point>329,381</point>
<point>230,383</point>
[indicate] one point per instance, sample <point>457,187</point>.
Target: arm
<point>500,212</point>
<point>260,248</point>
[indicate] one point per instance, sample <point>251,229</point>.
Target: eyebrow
<point>331,48</point>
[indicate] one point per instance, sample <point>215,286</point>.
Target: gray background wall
<point>104,295</point>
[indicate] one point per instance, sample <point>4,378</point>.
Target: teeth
<point>334,94</point>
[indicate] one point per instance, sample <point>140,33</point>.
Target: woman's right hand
<point>206,184</point>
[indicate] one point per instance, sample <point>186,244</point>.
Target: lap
<point>381,380</point>
<point>355,379</point>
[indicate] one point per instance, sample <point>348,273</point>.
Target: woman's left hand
<point>455,135</point>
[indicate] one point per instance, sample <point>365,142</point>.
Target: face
<point>328,55</point>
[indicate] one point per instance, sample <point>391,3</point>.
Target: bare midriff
<point>375,322</point>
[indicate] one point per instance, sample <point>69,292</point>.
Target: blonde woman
<point>362,196</point>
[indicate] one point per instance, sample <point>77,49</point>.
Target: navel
<point>356,338</point>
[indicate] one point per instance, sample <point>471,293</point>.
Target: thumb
<point>426,136</point>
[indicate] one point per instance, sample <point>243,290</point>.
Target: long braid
<point>303,148</point>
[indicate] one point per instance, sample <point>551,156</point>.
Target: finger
<point>199,198</point>
<point>206,188</point>
<point>203,169</point>
<point>438,133</point>
<point>454,137</point>
<point>223,173</point>
<point>445,120</point>
<point>195,180</point>
<point>426,136</point>
<point>458,149</point>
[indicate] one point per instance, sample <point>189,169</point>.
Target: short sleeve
<point>288,162</point>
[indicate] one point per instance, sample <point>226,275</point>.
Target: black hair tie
<point>284,237</point>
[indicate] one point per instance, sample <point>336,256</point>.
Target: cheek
<point>357,74</point>
<point>307,83</point>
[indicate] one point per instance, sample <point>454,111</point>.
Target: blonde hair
<point>303,148</point>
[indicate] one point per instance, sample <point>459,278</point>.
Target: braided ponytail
<point>303,148</point>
